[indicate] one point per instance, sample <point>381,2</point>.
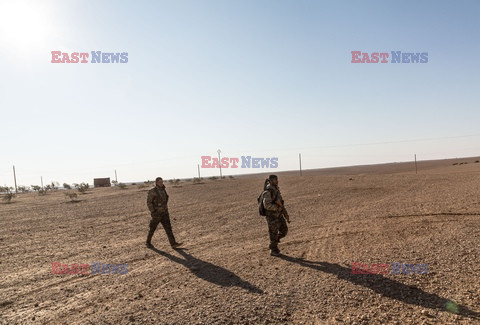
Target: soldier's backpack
<point>261,207</point>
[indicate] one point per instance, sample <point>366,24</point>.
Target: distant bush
<point>231,177</point>
<point>83,187</point>
<point>67,186</point>
<point>477,161</point>
<point>142,186</point>
<point>176,182</point>
<point>6,189</point>
<point>72,196</point>
<point>122,186</point>
<point>213,178</point>
<point>51,187</point>
<point>23,189</point>
<point>197,180</point>
<point>39,190</point>
<point>8,197</point>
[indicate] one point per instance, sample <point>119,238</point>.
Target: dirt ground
<point>225,275</point>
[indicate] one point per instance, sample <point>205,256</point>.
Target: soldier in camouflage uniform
<point>157,200</point>
<point>277,225</point>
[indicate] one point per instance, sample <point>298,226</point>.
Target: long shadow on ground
<point>387,287</point>
<point>208,271</point>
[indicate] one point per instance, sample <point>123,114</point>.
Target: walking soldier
<point>157,200</point>
<point>275,213</point>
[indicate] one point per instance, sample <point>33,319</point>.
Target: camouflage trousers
<point>277,229</point>
<point>164,219</point>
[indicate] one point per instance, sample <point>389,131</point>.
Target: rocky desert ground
<point>378,214</point>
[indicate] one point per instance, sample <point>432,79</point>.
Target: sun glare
<point>24,25</point>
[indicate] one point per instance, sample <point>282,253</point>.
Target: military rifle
<point>284,211</point>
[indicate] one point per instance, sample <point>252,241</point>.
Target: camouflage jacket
<point>272,208</point>
<point>157,199</point>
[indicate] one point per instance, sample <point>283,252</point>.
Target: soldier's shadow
<point>209,272</point>
<point>386,287</point>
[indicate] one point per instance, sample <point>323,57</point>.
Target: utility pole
<point>219,163</point>
<point>300,160</point>
<point>41,180</point>
<point>416,171</point>
<point>198,167</point>
<point>116,180</point>
<point>15,179</point>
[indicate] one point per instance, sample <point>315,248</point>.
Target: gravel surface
<point>225,275</point>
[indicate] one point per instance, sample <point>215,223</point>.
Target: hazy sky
<point>260,78</point>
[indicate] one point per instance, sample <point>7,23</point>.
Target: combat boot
<point>275,252</point>
<point>148,243</point>
<point>176,245</point>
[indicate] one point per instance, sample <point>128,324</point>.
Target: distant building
<point>101,182</point>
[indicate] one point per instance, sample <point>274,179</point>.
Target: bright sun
<point>24,25</point>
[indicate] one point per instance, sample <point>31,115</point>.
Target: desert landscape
<point>225,275</point>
